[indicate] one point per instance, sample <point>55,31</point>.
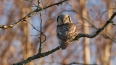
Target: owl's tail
<point>64,45</point>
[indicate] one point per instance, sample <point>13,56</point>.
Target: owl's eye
<point>58,18</point>
<point>69,18</point>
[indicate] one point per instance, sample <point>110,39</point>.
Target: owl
<point>66,30</point>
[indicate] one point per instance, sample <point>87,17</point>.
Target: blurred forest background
<point>22,41</point>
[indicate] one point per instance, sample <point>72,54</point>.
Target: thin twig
<point>41,7</point>
<point>34,27</point>
<point>41,33</point>
<point>40,48</point>
<point>47,2</point>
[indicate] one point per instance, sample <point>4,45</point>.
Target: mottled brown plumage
<point>66,30</point>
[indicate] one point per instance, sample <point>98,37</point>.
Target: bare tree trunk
<point>8,45</point>
<point>86,49</point>
<point>27,50</point>
<point>25,40</point>
<point>108,32</point>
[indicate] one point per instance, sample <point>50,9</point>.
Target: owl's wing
<point>72,28</point>
<point>66,31</point>
<point>61,31</point>
<point>72,32</point>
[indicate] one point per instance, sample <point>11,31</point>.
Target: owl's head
<point>63,19</point>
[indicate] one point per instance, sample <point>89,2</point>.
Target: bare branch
<point>4,27</point>
<point>78,63</point>
<point>97,32</point>
<point>39,55</point>
<point>40,48</point>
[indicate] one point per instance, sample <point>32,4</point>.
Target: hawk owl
<point>66,30</point>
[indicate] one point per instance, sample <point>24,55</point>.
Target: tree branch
<point>4,27</point>
<point>78,64</point>
<point>39,55</point>
<point>97,32</point>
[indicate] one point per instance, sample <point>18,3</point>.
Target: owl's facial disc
<point>63,19</point>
